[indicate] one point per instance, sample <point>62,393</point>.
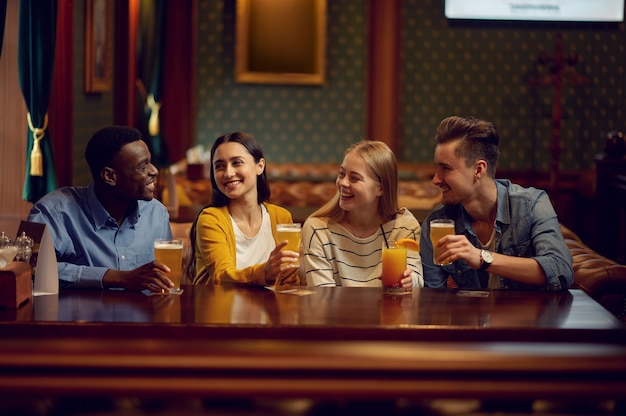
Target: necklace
<point>365,232</point>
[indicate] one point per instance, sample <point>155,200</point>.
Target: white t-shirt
<point>255,250</point>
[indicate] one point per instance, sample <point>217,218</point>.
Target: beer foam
<point>168,246</point>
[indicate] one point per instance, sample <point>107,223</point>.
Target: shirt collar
<point>503,216</point>
<point>100,216</point>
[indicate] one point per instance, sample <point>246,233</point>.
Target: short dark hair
<point>479,140</point>
<point>218,199</point>
<point>105,144</point>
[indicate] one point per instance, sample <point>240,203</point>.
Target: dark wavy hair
<point>218,199</point>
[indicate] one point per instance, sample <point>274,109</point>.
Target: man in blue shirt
<point>506,236</point>
<point>104,233</point>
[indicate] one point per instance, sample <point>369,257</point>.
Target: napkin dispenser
<point>16,284</point>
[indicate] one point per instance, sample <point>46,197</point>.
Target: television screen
<point>539,10</point>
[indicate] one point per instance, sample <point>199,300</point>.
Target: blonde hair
<point>383,166</point>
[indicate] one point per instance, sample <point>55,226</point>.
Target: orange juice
<point>394,265</point>
<point>170,253</point>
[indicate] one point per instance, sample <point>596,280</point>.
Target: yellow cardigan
<point>216,248</point>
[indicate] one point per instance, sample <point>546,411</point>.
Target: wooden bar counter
<point>238,341</point>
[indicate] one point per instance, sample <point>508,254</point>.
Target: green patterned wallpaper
<point>483,69</point>
<point>479,68</point>
<point>292,123</point>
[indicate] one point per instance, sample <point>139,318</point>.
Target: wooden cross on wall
<point>560,72</point>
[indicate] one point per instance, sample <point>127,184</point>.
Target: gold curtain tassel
<point>36,159</point>
<point>153,124</point>
<point>36,163</point>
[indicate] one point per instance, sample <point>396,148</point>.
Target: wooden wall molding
<point>383,97</point>
<point>61,104</point>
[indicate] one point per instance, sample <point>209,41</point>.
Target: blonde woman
<point>342,241</point>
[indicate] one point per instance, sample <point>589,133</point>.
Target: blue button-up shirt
<point>526,226</point>
<point>88,241</point>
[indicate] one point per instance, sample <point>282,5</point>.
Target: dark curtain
<point>36,40</point>
<point>150,53</point>
<point>3,14</point>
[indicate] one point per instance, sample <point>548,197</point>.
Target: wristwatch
<point>486,258</point>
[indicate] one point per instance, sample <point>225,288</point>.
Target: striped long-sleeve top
<point>335,257</point>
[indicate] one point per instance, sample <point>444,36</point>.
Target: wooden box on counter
<point>16,284</point>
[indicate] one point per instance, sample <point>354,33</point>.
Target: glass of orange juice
<point>394,265</point>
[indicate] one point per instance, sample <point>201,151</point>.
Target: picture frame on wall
<point>98,19</point>
<point>280,42</point>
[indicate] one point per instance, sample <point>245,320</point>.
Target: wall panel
<point>12,130</point>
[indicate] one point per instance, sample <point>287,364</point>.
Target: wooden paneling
<point>384,69</point>
<point>13,130</point>
<point>125,70</point>
<point>235,341</point>
<point>178,116</point>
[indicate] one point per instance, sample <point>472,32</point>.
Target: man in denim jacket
<point>506,236</point>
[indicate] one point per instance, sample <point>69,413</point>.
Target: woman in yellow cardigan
<point>234,236</point>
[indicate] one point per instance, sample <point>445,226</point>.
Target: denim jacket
<point>526,226</point>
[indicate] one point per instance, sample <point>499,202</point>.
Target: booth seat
<point>601,278</point>
<point>304,187</point>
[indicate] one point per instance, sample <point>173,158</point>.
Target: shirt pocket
<point>143,258</point>
<point>519,249</point>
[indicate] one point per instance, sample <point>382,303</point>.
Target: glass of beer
<point>438,229</point>
<point>293,234</point>
<point>394,265</point>
<point>170,253</point>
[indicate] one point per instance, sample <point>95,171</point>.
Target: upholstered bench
<point>601,278</point>
<point>304,187</point>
